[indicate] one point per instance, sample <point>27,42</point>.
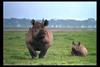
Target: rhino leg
<point>32,51</point>
<point>43,52</point>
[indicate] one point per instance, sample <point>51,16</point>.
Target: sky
<point>50,10</point>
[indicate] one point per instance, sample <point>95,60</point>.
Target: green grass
<point>15,51</point>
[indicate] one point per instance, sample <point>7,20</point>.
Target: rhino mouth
<point>40,37</point>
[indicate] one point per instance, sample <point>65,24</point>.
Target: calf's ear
<point>33,21</point>
<point>78,43</point>
<point>46,23</point>
<point>73,43</point>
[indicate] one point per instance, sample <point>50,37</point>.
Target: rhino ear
<point>73,43</point>
<point>46,23</point>
<point>33,21</point>
<point>78,43</point>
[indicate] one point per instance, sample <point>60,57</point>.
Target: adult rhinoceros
<point>38,38</point>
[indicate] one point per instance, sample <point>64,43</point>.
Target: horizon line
<point>52,18</point>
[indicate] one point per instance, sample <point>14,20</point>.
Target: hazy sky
<point>50,10</point>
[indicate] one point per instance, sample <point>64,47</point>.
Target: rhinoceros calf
<point>78,49</point>
<point>38,38</point>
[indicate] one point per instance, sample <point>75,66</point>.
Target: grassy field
<point>16,53</point>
